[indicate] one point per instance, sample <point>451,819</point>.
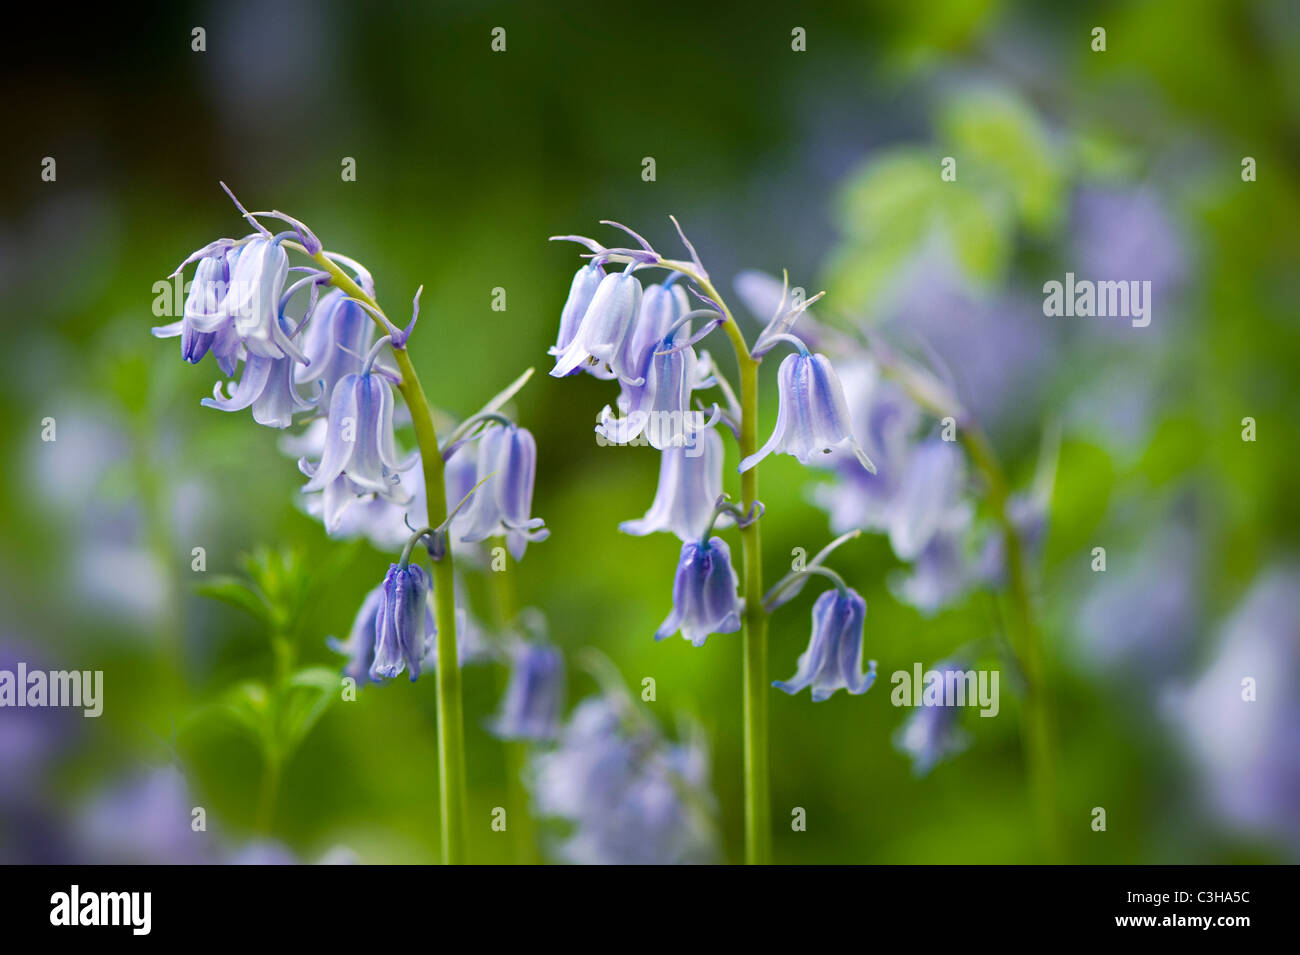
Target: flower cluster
<point>644,337</point>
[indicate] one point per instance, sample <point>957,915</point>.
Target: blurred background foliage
<point>825,163</point>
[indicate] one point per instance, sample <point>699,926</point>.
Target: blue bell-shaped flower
<point>705,593</point>
<point>833,659</point>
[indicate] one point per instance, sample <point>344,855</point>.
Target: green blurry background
<point>823,162</point>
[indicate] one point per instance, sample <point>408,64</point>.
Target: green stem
<point>1036,717</point>
<point>451,723</point>
<point>758,803</point>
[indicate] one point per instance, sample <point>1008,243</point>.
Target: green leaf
<point>237,593</point>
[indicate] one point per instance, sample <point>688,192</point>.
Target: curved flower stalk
<point>921,498</point>
<point>238,309</point>
<point>612,327</point>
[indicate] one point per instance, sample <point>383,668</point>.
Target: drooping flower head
<point>359,646</point>
<point>336,341</point>
<point>583,289</point>
<point>204,325</point>
<point>267,387</point>
<point>507,458</point>
<point>705,598</point>
<point>812,417</point>
<point>534,697</point>
<point>403,622</point>
<point>359,441</point>
<point>690,482</point>
<point>253,302</point>
<point>833,659</point>
<point>598,341</point>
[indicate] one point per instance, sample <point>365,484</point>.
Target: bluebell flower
<point>1243,747</point>
<point>534,697</point>
<point>337,337</point>
<point>661,308</point>
<point>267,386</point>
<point>583,289</point>
<point>812,416</point>
<point>598,342</point>
<point>833,659</point>
<point>403,623</point>
<point>690,483</point>
<point>359,646</point>
<point>932,734</point>
<point>359,441</point>
<point>204,325</point>
<point>253,301</point>
<point>705,598</point>
<point>660,405</point>
<point>501,506</point>
<point>929,500</point>
<point>629,795</point>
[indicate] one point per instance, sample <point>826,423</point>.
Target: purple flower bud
<point>604,327</point>
<point>833,659</point>
<point>403,622</point>
<point>534,697</point>
<point>690,482</point>
<point>585,282</point>
<point>337,336</point>
<point>705,598</point>
<point>812,416</point>
<point>359,439</point>
<point>266,385</point>
<point>501,506</point>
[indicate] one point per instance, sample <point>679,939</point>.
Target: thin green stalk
<point>451,722</point>
<point>758,801</point>
<point>1036,718</point>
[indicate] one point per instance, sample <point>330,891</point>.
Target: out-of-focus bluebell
<point>359,647</point>
<point>705,598</point>
<point>627,795</point>
<point>931,734</point>
<point>144,820</point>
<point>507,458</point>
<point>1240,719</point>
<point>833,659</point>
<point>403,623</point>
<point>690,483</point>
<point>1128,233</point>
<point>533,704</point>
<point>812,417</point>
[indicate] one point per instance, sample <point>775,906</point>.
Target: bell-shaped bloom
<point>253,301</point>
<point>812,417</point>
<point>660,406</point>
<point>204,325</point>
<point>267,387</point>
<point>690,483</point>
<point>833,659</point>
<point>932,733</point>
<point>403,622</point>
<point>661,308</point>
<point>359,647</point>
<point>337,336</point>
<point>705,598</point>
<point>534,697</point>
<point>359,438</point>
<point>929,500</point>
<point>598,342</point>
<point>585,282</point>
<point>501,506</point>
